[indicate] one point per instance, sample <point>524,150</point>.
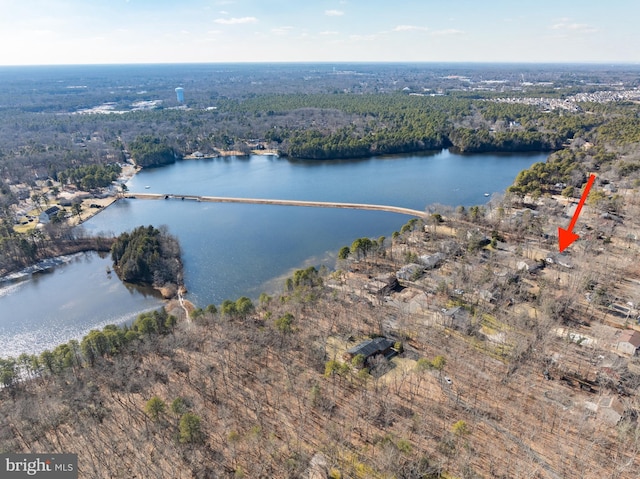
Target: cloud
<point>40,33</point>
<point>366,38</point>
<point>409,28</point>
<point>235,21</point>
<point>329,32</point>
<point>565,26</point>
<point>333,13</point>
<point>281,30</point>
<point>448,31</point>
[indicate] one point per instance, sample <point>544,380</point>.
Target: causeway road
<point>263,201</point>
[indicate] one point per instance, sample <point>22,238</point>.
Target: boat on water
<point>487,194</point>
<point>147,187</point>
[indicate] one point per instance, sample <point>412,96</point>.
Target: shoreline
<point>106,197</point>
<point>131,170</point>
<point>89,211</point>
<point>170,303</point>
<point>56,253</point>
<point>227,153</point>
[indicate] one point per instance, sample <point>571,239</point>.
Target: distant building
<point>609,409</point>
<point>629,342</point>
<point>180,94</point>
<point>48,214</point>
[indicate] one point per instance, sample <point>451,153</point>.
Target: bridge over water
<point>263,201</point>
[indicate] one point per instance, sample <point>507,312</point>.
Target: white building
<point>48,214</point>
<point>629,342</point>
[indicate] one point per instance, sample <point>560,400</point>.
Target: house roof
<point>52,210</point>
<point>371,347</point>
<point>630,336</point>
<point>452,311</point>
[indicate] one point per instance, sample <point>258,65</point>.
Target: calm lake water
<point>233,250</point>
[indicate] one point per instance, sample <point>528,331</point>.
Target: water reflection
<point>44,309</point>
<point>232,250</point>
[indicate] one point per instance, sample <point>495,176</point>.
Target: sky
<point>44,32</point>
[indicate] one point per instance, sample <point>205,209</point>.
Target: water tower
<point>180,94</point>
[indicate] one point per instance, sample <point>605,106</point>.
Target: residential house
<point>382,285</point>
<point>456,318</point>
<point>609,409</point>
<point>431,261</point>
<point>410,272</point>
<point>48,214</point>
<point>419,303</point>
<point>370,348</point>
<point>628,342</point>
<point>620,310</point>
<point>529,265</point>
<point>486,296</point>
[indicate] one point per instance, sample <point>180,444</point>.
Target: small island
<point>149,256</point>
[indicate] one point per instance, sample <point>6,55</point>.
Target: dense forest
<point>147,255</point>
<point>317,112</point>
<point>299,125</point>
<point>91,176</point>
<point>148,151</point>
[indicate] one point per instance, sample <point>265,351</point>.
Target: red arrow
<point>566,237</point>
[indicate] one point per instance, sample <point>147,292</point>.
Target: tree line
<point>319,125</point>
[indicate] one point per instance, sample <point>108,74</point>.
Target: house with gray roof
<point>370,348</point>
<point>48,214</point>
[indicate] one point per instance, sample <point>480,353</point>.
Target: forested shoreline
<point>21,251</point>
<point>318,126</point>
<point>85,152</point>
<point>149,256</point>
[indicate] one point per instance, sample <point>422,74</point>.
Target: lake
<point>232,250</point>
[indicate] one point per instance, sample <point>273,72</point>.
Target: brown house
<point>629,342</point>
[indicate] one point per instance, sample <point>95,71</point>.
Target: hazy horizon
<point>336,63</point>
